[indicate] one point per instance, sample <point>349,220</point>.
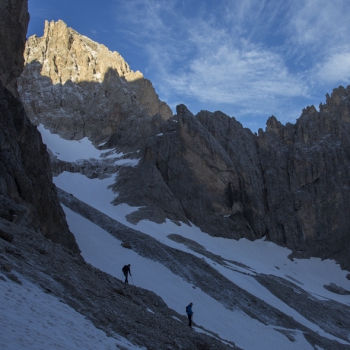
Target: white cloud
<point>335,69</point>
<point>230,70</point>
<point>231,75</point>
<point>146,18</point>
<point>320,23</point>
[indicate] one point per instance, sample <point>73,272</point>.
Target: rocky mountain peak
<point>273,125</point>
<point>338,96</point>
<point>88,90</point>
<point>71,56</point>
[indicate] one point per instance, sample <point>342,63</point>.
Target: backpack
<point>125,268</point>
<point>187,309</point>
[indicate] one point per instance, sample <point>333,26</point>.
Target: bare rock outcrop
<point>79,88</point>
<point>194,171</point>
<point>27,194</point>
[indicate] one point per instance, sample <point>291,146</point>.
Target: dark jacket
<point>126,270</point>
<point>189,309</point>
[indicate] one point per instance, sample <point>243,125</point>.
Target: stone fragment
<point>126,245</point>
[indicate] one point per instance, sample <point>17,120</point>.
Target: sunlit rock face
<point>79,88</point>
<point>27,195</point>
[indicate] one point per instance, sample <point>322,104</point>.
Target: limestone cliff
<point>81,88</point>
<point>27,194</point>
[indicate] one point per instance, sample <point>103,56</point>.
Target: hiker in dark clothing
<point>189,314</point>
<point>126,270</point>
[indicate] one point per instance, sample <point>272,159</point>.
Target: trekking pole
<point>132,280</point>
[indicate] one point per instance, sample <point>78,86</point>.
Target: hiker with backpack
<point>126,271</point>
<point>189,313</point>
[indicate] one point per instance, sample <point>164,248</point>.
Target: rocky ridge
<point>289,183</point>
<point>310,163</point>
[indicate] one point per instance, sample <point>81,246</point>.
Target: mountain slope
<point>289,183</point>
<point>236,287</point>
<point>160,193</point>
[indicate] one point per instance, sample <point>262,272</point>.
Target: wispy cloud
<point>314,23</point>
<point>336,68</point>
<point>254,55</point>
<point>232,75</point>
<point>318,36</point>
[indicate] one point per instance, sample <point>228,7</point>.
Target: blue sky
<point>248,58</point>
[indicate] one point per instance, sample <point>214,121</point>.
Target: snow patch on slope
<point>33,320</point>
<point>72,150</point>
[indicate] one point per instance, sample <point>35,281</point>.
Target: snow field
<point>260,256</point>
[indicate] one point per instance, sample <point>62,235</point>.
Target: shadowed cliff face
<point>289,184</point>
<point>307,174</point>
<point>207,174</point>
<point>27,194</point>
<point>76,110</point>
